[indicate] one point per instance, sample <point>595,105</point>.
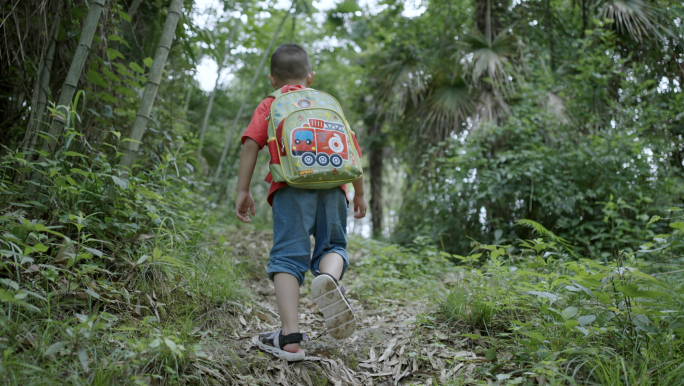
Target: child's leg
<point>287,294</point>
<point>330,254</point>
<point>332,264</point>
<point>293,220</point>
<point>330,260</point>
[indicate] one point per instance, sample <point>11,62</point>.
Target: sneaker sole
<point>278,353</point>
<point>338,314</point>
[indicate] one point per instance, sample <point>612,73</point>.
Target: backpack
<point>310,142</point>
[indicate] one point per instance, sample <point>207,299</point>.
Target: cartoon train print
<point>320,142</point>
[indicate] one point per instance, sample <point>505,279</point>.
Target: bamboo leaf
<point>125,16</point>
<point>135,67</point>
<point>74,154</point>
<point>107,97</point>
<point>96,78</point>
<point>113,54</point>
<point>148,62</point>
<point>109,74</point>
<point>124,90</point>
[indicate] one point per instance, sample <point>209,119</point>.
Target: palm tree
<point>634,17</point>
<point>396,84</point>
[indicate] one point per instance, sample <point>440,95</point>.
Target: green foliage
<point>389,271</point>
<point>613,323</point>
<point>551,132</point>
<point>585,169</point>
<point>96,255</point>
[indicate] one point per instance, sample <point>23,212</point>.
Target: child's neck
<point>292,82</point>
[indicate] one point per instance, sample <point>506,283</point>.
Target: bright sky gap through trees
<point>207,10</point>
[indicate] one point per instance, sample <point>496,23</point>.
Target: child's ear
<point>273,80</point>
<point>310,78</point>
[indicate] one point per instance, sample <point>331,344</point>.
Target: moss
<point>352,361</point>
<point>317,377</point>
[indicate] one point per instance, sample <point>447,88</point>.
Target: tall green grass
<point>106,277</point>
<point>573,320</point>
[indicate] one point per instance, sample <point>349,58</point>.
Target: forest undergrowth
<point>521,156</point>
<point>146,283</point>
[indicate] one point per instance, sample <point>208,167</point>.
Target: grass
<point>472,307</point>
<point>127,336</point>
<point>111,280</point>
<point>389,271</point>
<point>565,319</point>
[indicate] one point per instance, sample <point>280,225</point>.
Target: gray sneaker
<point>339,315</point>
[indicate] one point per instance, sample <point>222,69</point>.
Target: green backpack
<point>310,142</point>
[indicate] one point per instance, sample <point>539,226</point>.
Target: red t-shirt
<point>258,131</point>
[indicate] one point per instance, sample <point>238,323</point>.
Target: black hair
<point>289,62</point>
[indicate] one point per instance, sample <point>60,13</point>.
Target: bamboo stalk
<point>207,112</point>
<point>42,85</point>
<point>226,146</point>
<point>133,8</point>
<point>152,85</point>
<point>75,70</point>
<point>210,105</point>
<point>186,105</point>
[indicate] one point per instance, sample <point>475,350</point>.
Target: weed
<point>553,310</point>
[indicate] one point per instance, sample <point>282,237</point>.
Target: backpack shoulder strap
<point>276,93</point>
<point>279,92</point>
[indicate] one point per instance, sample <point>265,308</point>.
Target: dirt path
<point>390,347</point>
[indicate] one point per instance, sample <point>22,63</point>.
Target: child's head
<point>290,65</point>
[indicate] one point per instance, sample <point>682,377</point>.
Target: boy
<point>298,214</point>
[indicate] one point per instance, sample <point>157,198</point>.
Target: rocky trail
<point>391,346</point>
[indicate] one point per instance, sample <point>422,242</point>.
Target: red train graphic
<point>320,142</point>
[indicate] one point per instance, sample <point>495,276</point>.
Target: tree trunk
<point>584,17</point>
<point>549,27</point>
<point>375,166</point>
<point>153,81</point>
<point>229,137</point>
<point>207,113</point>
<point>75,70</point>
<point>42,85</point>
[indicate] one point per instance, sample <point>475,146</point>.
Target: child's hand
<point>242,205</point>
<point>360,206</point>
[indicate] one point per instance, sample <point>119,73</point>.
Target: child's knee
<point>283,266</point>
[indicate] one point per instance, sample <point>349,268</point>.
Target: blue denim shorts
<point>300,213</point>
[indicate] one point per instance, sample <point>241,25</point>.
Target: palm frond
<point>491,60</point>
<point>447,105</point>
<point>634,17</point>
<point>399,79</point>
<point>491,107</point>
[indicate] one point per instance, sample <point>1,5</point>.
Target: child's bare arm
<point>359,198</point>
<point>248,159</point>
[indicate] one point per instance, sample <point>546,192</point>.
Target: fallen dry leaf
<point>388,350</point>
